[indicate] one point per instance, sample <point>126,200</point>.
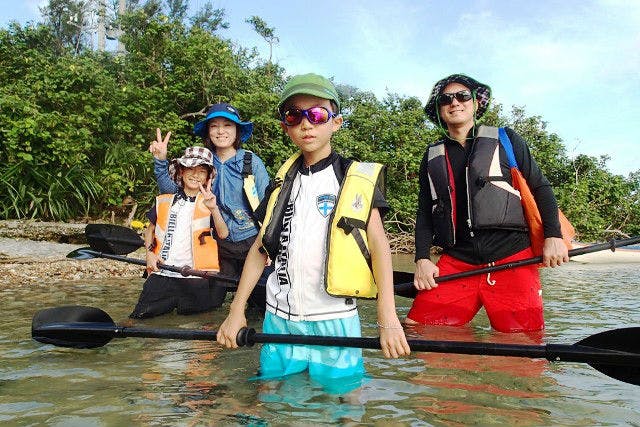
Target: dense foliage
<point>75,123</point>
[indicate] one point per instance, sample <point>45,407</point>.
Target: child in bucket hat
<point>303,241</point>
<point>193,156</point>
<point>179,233</point>
<point>239,184</point>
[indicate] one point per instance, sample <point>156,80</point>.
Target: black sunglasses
<point>447,98</point>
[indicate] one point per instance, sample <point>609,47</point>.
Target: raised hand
<point>209,199</point>
<point>159,147</point>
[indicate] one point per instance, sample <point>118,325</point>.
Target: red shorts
<point>512,298</point>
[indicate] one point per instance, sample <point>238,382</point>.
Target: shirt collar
<point>181,195</point>
<point>319,165</point>
<point>470,138</point>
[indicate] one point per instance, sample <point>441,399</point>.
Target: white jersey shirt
<point>176,249</point>
<point>296,289</point>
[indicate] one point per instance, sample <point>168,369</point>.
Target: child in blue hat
<point>239,184</point>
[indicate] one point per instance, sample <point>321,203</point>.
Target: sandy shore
<point>33,252</point>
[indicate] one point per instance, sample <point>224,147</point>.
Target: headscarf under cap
<point>481,91</point>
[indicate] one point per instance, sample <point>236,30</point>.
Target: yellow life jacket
<point>345,275</point>
<point>204,248</point>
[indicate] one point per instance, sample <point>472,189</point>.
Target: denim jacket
<point>227,187</point>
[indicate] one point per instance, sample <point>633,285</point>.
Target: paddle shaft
<point>248,337</point>
<point>612,244</point>
<point>551,352</point>
<point>185,271</point>
<point>408,290</point>
<point>112,331</point>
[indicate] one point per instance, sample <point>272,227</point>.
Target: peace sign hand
<point>159,147</point>
<point>209,199</point>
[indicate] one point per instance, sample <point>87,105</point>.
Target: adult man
<point>468,207</point>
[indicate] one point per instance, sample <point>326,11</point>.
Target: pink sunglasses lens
<point>318,115</point>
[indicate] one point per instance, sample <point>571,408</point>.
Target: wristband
<point>388,327</point>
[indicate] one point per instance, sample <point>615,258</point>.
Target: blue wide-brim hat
<point>227,111</point>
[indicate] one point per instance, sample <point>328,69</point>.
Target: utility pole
<point>121,10</point>
<point>115,33</point>
<point>102,13</point>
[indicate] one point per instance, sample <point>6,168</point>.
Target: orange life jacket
<point>204,248</point>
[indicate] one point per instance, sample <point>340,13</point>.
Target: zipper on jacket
<point>299,268</point>
<point>466,178</point>
<point>453,225</point>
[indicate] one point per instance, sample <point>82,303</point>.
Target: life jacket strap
<point>246,164</point>
<point>249,184</point>
<point>351,226</point>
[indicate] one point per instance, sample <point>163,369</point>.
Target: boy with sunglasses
<point>323,230</point>
<point>468,207</point>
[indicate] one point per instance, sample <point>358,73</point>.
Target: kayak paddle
<point>110,239</point>
<point>88,253</point>
<point>407,289</point>
<point>615,352</point>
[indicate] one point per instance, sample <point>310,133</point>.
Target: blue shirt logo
<point>325,204</point>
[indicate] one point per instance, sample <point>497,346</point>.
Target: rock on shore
<point>33,252</point>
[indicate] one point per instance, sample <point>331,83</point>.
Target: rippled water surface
<point>171,382</point>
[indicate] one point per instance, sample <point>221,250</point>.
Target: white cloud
<point>34,6</point>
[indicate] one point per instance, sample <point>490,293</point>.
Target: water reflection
<point>499,380</point>
<point>174,382</point>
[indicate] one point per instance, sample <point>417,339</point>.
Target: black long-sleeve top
<point>486,245</point>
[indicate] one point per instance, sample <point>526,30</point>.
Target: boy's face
<point>193,177</point>
<point>222,132</point>
<point>313,140</point>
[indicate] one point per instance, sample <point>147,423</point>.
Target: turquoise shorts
<point>324,364</point>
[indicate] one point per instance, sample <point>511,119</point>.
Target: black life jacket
<point>492,202</point>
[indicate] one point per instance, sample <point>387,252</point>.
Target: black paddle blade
<point>112,239</point>
<point>624,340</point>
<point>43,326</point>
<point>81,254</point>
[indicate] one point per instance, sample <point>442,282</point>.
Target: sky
<point>574,63</point>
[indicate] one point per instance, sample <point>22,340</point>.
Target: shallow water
<point>173,382</point>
